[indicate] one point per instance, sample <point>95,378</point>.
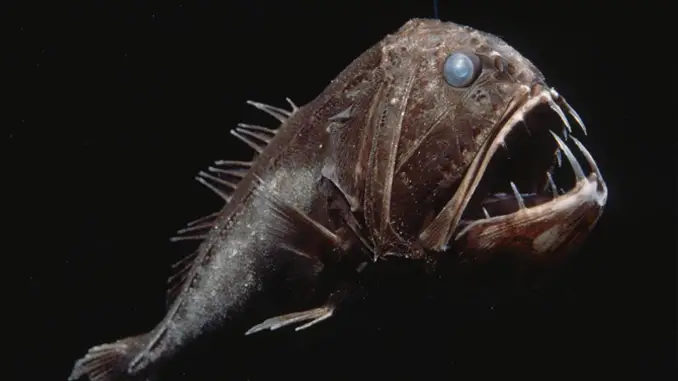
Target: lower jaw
<point>549,227</point>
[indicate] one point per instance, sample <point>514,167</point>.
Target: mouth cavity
<point>534,165</point>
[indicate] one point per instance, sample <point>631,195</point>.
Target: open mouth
<point>526,180</point>
<point>534,172</point>
<point>533,166</point>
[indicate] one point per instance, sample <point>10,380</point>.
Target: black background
<point>113,106</point>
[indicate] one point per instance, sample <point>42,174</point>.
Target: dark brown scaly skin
<point>389,160</point>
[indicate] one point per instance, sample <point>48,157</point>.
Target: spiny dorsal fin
<point>180,270</point>
<point>294,106</point>
<point>257,128</point>
<point>196,229</point>
<point>234,163</point>
<point>221,187</point>
<point>299,233</point>
<point>235,168</point>
<point>210,217</point>
<point>276,112</point>
<point>253,144</point>
<point>257,137</point>
<point>196,232</point>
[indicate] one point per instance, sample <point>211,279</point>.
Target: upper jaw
<point>546,227</point>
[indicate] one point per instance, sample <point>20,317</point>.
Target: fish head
<point>487,160</point>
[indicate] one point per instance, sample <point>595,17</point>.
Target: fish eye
<point>461,69</point>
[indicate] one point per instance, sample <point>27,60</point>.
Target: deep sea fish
<point>438,141</point>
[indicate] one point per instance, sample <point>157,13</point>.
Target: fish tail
<point>110,362</point>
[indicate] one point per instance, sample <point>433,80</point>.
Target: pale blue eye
<point>461,69</point>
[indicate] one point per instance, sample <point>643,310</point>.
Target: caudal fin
<point>109,362</point>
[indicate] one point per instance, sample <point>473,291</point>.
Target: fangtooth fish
<point>440,140</point>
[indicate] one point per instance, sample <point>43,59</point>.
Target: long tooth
<point>519,198</point>
<point>574,114</point>
<point>559,158</point>
<point>561,114</point>
<point>565,134</point>
<point>487,214</point>
<point>578,172</point>
<point>589,158</point>
<point>552,184</point>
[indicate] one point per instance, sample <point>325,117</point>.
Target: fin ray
<point>234,163</point>
<point>109,362</point>
<point>199,237</point>
<point>252,144</point>
<point>217,180</point>
<point>260,138</point>
<point>224,195</point>
<point>310,317</point>
<point>198,227</point>
<point>221,187</point>
<point>254,127</point>
<point>180,270</point>
<point>238,173</point>
<point>280,114</point>
<point>210,217</point>
<point>314,238</point>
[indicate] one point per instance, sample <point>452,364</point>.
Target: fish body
<point>396,157</point>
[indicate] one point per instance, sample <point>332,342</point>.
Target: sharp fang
<point>589,158</point>
<point>573,113</point>
<point>565,134</point>
<point>561,114</point>
<point>519,198</point>
<point>552,184</point>
<point>559,158</point>
<point>487,214</point>
<point>578,172</point>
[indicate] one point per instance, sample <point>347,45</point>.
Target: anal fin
<point>311,317</point>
